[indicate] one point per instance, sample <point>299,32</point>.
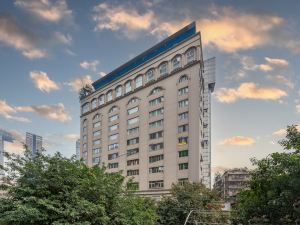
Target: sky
<point>49,48</point>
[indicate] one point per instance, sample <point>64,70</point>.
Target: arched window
<point>150,75</point>
<point>133,100</point>
<point>109,95</point>
<point>113,109</point>
<point>119,91</point>
<point>139,81</point>
<point>94,103</point>
<point>85,107</point>
<point>190,55</point>
<point>183,78</point>
<point>84,123</point>
<point>176,62</point>
<point>156,90</point>
<point>163,69</point>
<point>128,87</point>
<point>96,117</point>
<point>101,99</point>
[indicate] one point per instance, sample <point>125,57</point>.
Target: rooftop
<point>151,53</point>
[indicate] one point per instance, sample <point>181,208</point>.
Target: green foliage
<point>173,210</point>
<point>57,190</point>
<point>274,187</point>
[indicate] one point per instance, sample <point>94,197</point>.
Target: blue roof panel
<point>158,49</point>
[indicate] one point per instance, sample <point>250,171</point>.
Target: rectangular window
<point>132,151</point>
<point>132,131</point>
<point>84,154</point>
<point>156,135</point>
<point>156,101</point>
<point>97,124</point>
<point>96,160</point>
<point>183,116</point>
<point>113,165</point>
<point>183,181</point>
<point>132,172</point>
<point>155,147</point>
<point>113,127</point>
<point>133,120</point>
<point>183,140</point>
<point>132,185</point>
<point>113,118</point>
<point>113,137</point>
<point>84,129</point>
<point>113,156</point>
<point>113,146</point>
<point>183,153</point>
<point>156,158</point>
<point>133,141</point>
<point>183,166</point>
<point>84,146</point>
<point>183,103</point>
<point>156,184</point>
<point>96,133</point>
<point>97,142</point>
<point>158,169</point>
<point>156,112</point>
<point>157,123</point>
<point>96,151</point>
<point>133,162</point>
<point>183,91</point>
<point>132,110</point>
<point>183,128</point>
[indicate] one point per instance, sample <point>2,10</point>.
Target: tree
<point>274,188</point>
<point>173,209</point>
<point>57,190</point>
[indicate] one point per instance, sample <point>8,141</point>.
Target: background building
<point>34,143</point>
<point>146,118</point>
<point>229,184</point>
<point>78,149</point>
<point>209,85</point>
<point>4,136</point>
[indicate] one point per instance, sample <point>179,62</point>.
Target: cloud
<point>248,64</point>
<point>78,83</point>
<point>55,112</point>
<point>229,30</point>
<point>118,18</point>
<point>91,65</point>
<point>6,111</point>
<point>102,74</point>
<point>13,35</point>
<point>62,38</point>
<point>238,140</point>
<point>48,10</point>
<point>249,91</point>
<point>282,131</point>
<point>71,137</point>
<point>277,62</point>
<point>42,81</point>
<point>280,79</point>
<point>298,108</point>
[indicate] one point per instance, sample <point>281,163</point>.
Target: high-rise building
<point>78,149</point>
<point>209,85</point>
<point>230,182</point>
<point>4,136</point>
<point>34,143</point>
<point>146,118</point>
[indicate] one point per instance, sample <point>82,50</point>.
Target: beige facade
<point>152,129</point>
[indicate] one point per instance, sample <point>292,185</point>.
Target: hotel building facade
<point>146,117</point>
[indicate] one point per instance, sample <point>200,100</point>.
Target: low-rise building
<point>230,183</point>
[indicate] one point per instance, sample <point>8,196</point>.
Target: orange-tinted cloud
<point>43,82</point>
<point>249,90</point>
<point>238,140</point>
